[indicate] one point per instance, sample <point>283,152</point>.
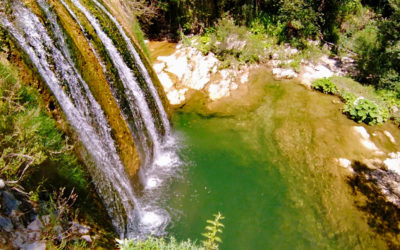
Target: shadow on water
<point>383,216</point>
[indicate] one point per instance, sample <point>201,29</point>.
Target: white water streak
<point>83,112</point>
<point>143,69</point>
<point>126,75</point>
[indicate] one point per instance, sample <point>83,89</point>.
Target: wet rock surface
<point>21,226</point>
<point>15,214</point>
<point>375,183</point>
<point>379,190</point>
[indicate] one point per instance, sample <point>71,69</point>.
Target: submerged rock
<point>365,140</point>
<point>379,183</point>
<point>390,136</point>
<point>345,163</point>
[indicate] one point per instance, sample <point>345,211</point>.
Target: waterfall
<point>143,69</point>
<point>134,213</point>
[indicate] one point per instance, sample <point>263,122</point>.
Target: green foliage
<point>364,110</point>
<point>21,120</point>
<point>30,139</point>
<point>212,241</point>
<point>346,96</point>
<point>376,41</point>
<point>234,44</point>
<point>325,86</point>
<point>213,228</point>
<point>153,243</point>
<point>56,216</point>
<point>362,103</point>
<point>302,21</point>
<point>390,97</point>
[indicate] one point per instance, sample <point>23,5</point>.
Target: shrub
<point>234,43</point>
<point>325,86</point>
<point>346,96</point>
<point>364,110</point>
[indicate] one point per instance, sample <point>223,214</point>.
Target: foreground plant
<point>153,243</point>
<point>212,241</point>
<point>213,228</point>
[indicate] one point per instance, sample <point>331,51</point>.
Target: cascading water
<point>134,214</point>
<point>160,166</point>
<point>162,157</point>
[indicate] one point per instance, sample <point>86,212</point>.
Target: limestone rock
<point>372,164</point>
<point>365,140</point>
<point>393,162</point>
<point>284,73</point>
<point>345,163</point>
<point>198,72</point>
<point>389,136</point>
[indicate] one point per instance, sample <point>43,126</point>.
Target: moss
<point>112,32</point>
<point>140,37</point>
<point>112,76</point>
<point>30,77</point>
<point>92,73</point>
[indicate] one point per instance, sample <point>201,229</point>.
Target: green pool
<point>271,171</point>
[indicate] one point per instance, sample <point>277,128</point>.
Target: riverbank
<point>195,83</point>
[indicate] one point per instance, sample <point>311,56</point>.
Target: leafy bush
<point>346,96</point>
<point>364,110</point>
<point>325,86</point>
<point>300,18</point>
<point>234,43</point>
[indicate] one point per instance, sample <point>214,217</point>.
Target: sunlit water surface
<point>271,172</point>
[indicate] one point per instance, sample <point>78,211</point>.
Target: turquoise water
<point>271,172</point>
